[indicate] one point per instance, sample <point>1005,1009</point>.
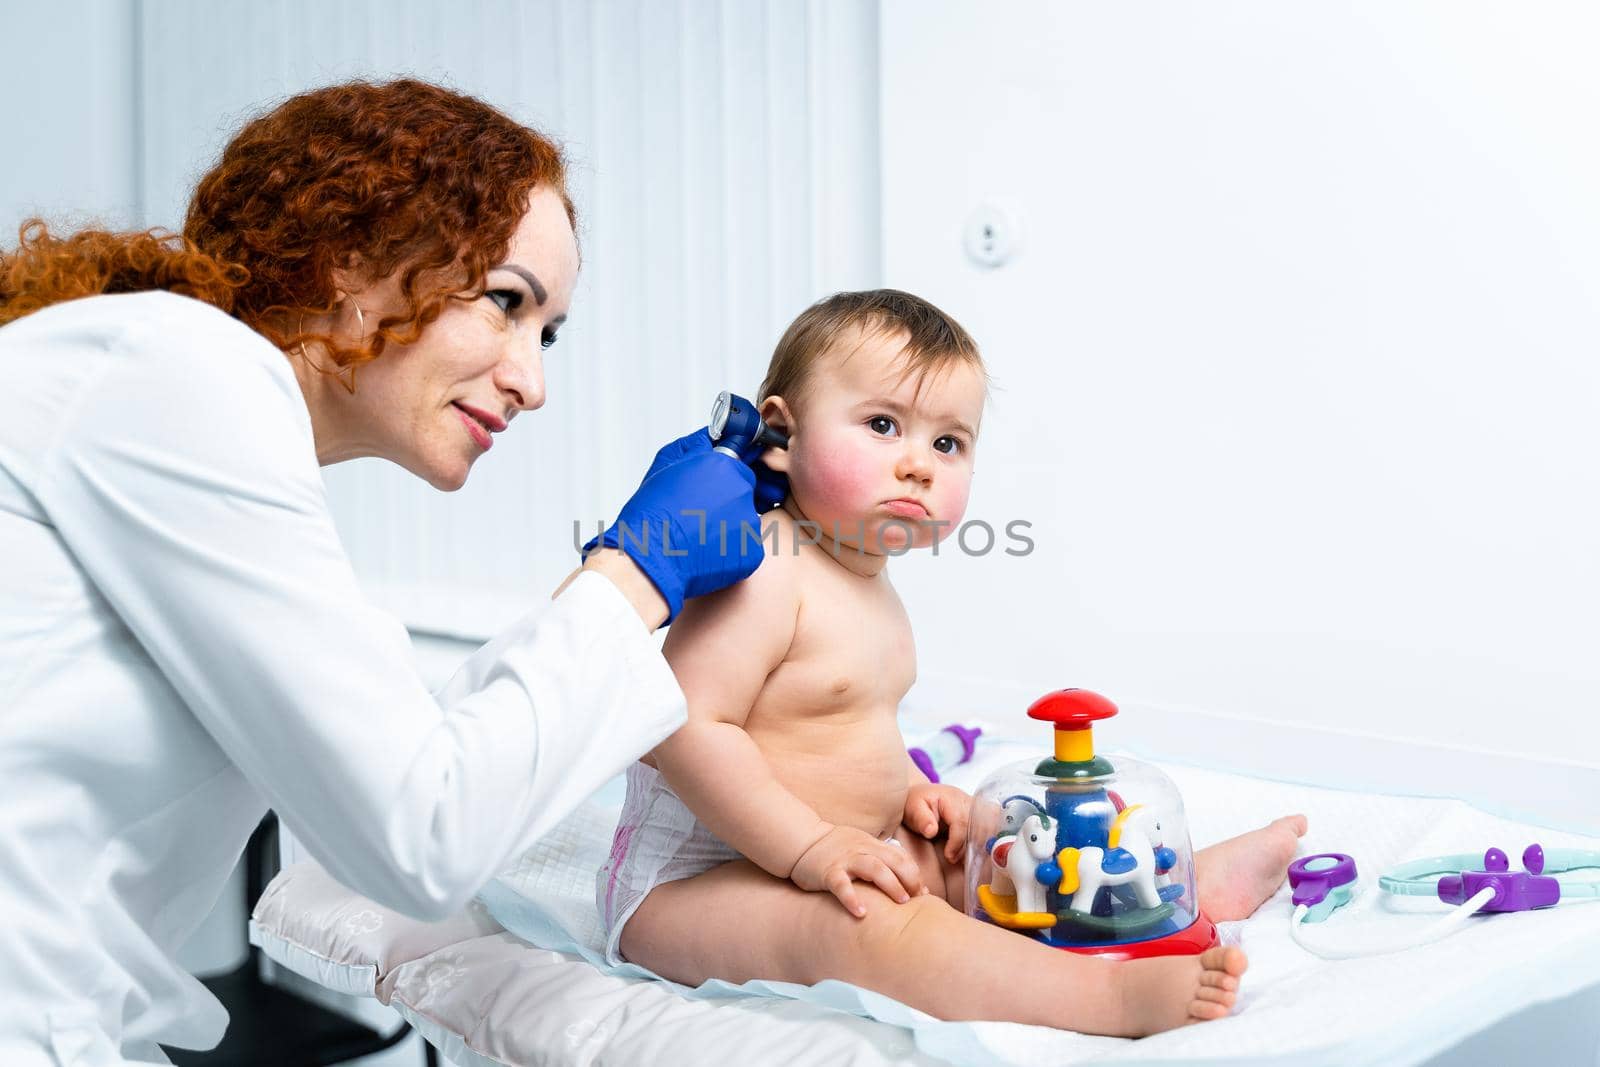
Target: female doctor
<point>370,270</point>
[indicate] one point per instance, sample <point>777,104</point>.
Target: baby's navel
<point>839,687</point>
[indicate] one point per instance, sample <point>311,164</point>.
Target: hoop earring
<point>361,328</point>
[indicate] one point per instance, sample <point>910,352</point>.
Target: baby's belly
<point>852,773</point>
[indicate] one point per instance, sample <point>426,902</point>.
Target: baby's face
<point>878,458</point>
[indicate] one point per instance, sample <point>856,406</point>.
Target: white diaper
<point>657,840</point>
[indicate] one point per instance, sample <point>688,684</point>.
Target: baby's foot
<point>1173,991</point>
<point>1233,878</point>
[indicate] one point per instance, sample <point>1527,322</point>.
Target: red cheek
<point>950,498</point>
<point>840,482</point>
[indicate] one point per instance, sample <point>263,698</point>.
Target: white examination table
<point>483,996</point>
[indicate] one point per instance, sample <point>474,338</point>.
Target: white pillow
<point>327,934</point>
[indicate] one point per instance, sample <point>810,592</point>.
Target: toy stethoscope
<point>1325,882</point>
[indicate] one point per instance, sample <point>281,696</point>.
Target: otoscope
<point>736,426</point>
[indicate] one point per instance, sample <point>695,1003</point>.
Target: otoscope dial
<point>720,410</point>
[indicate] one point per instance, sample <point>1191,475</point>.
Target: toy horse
<point>1020,858</point>
<point>1133,857</point>
<point>1012,815</point>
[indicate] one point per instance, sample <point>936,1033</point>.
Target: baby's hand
<point>844,854</point>
<point>928,805</point>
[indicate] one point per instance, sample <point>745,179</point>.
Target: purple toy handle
<point>1522,890</point>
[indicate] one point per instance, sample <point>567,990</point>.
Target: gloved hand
<point>662,530</point>
<point>771,486</point>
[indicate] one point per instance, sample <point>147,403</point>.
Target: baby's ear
<point>775,413</point>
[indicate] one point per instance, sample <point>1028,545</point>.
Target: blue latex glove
<point>771,486</point>
<point>662,530</point>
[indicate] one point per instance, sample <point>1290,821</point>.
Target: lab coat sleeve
<point>184,481</point>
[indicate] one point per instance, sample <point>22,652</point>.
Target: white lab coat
<point>183,644</point>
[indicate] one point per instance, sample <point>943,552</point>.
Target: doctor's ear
<point>353,283</point>
<point>776,414</point>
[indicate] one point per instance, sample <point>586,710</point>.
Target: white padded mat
<point>1294,1007</point>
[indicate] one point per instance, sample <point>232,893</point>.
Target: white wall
<point>69,125</point>
<point>1297,363</point>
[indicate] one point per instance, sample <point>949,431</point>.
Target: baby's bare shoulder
<point>754,617</point>
<point>779,573</point>
<point>723,645</point>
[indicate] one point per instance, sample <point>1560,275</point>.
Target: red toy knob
<point>1074,713</point>
<point>1072,709</point>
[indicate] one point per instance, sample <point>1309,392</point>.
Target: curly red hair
<point>395,178</point>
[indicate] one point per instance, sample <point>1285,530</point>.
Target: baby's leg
<point>947,881</point>
<point>1234,878</point>
<point>737,923</point>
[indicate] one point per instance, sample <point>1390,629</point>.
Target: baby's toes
<point>1206,1011</point>
<point>1228,960</point>
<point>1295,824</point>
<point>1219,983</point>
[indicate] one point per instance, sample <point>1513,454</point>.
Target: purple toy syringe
<point>950,747</point>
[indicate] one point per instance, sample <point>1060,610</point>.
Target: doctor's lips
<point>480,424</point>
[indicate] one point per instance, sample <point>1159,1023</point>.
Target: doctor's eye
<point>882,424</point>
<point>507,300</point>
<point>950,446</point>
<point>547,339</point>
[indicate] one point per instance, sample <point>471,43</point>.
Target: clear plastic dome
<point>1085,852</point>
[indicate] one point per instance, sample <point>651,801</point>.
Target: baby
<point>784,833</point>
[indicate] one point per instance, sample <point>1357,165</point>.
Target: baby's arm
<point>722,648</point>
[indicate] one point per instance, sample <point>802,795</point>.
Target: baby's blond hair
<point>934,342</point>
